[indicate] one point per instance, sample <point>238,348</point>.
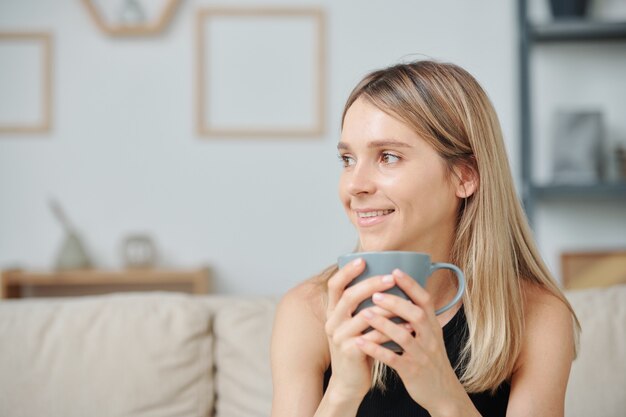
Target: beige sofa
<point>164,354</point>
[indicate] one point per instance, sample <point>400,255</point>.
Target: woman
<point>425,170</point>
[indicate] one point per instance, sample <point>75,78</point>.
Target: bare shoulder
<point>543,310</point>
<point>300,319</point>
<point>542,368</point>
<point>306,300</point>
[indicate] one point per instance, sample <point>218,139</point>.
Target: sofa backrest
<point>117,355</point>
<point>165,354</point>
<point>597,385</point>
<point>243,380</point>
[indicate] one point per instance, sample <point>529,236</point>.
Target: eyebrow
<point>379,144</point>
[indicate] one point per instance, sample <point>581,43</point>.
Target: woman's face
<point>394,186</point>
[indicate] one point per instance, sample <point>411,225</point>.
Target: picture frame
<point>260,72</point>
<point>593,269</point>
<point>26,89</point>
<point>578,148</point>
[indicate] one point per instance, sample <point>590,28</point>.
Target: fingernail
<point>368,314</point>
<point>357,262</point>
<point>377,296</point>
<point>360,341</point>
<point>388,278</point>
<point>397,272</point>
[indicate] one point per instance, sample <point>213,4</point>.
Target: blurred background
<point>129,149</point>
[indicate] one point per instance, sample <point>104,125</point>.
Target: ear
<point>466,180</point>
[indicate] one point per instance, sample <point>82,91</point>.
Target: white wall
<point>123,155</point>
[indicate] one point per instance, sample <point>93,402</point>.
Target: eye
<point>389,158</point>
<point>346,160</point>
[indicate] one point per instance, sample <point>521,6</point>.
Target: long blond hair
<point>493,244</point>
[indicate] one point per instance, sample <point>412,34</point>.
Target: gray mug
<point>417,265</point>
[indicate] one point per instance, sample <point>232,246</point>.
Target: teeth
<point>375,213</point>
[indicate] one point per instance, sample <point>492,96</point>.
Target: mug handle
<point>460,278</point>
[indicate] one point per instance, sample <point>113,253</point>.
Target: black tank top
<point>396,401</point>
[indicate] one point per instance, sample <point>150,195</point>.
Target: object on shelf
<point>620,153</point>
<point>133,17</point>
<point>577,152</point>
<point>139,251</point>
<point>72,254</point>
<point>131,13</point>
<point>568,8</point>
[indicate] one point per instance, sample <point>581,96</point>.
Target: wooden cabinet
<point>19,283</point>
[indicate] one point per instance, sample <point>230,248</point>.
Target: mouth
<point>373,213</point>
<point>371,217</point>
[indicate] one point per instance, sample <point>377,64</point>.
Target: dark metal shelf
<point>577,30</point>
<point>592,191</point>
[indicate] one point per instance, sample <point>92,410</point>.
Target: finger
<point>415,316</point>
<point>356,326</point>
<point>395,332</point>
<point>416,293</point>
<point>352,297</point>
<point>343,277</point>
<point>376,351</point>
<point>372,335</point>
<point>375,336</point>
<point>356,294</point>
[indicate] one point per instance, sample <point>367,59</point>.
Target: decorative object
<point>131,18</point>
<point>567,9</point>
<point>139,251</point>
<point>593,269</point>
<point>132,13</point>
<point>25,82</point>
<point>578,151</point>
<point>260,72</point>
<point>72,254</point>
<point>620,153</point>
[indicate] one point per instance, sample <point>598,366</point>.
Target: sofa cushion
<point>242,351</point>
<point>115,355</point>
<point>597,385</point>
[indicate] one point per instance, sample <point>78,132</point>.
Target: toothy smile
<point>374,213</point>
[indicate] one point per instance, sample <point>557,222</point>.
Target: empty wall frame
<point>260,72</point>
<point>25,82</point>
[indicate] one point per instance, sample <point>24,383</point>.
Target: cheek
<point>427,197</point>
<point>342,192</point>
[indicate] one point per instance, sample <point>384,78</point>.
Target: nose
<point>361,180</point>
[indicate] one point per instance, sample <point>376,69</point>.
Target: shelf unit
<point>532,34</point>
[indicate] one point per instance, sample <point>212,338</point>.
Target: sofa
<point>168,354</point>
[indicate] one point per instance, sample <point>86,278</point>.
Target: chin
<point>377,246</point>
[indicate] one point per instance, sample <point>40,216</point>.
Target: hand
<point>424,366</point>
<point>351,366</point>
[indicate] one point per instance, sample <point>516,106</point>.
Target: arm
<point>308,336</point>
<point>299,357</point>
<point>542,370</point>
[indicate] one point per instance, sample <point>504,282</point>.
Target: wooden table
<point>19,283</point>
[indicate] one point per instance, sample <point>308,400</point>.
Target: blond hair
<point>493,243</point>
